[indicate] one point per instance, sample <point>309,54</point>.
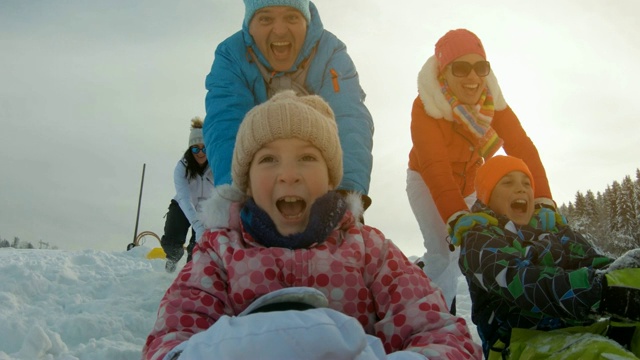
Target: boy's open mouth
<point>291,207</point>
<point>520,205</point>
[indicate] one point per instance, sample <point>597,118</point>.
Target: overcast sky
<point>92,90</point>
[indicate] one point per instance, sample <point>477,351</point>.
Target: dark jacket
<point>526,277</point>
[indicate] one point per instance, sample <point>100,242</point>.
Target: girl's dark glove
<point>621,287</point>
<point>621,294</point>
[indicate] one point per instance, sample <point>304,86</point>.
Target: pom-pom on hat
<point>195,136</point>
<point>251,6</point>
<point>456,43</point>
<point>493,170</point>
<point>285,116</point>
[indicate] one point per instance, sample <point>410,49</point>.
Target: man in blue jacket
<point>283,45</point>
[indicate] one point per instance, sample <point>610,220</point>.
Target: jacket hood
<point>222,208</point>
<point>314,32</point>
<point>436,104</point>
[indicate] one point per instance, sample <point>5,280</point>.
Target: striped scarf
<point>476,118</point>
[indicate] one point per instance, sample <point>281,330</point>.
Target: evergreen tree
<point>626,208</point>
<point>610,219</point>
<point>612,206</point>
<point>580,220</point>
<point>591,212</point>
<point>637,204</point>
<point>570,209</point>
<point>602,221</point>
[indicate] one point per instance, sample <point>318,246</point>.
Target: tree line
<point>18,244</point>
<point>611,219</point>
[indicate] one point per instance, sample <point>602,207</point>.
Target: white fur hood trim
<point>221,209</point>
<point>355,205</point>
<point>220,206</point>
<point>435,103</point>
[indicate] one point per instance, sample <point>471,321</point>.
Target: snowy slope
<point>67,305</point>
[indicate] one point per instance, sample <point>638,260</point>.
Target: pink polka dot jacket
<point>362,274</point>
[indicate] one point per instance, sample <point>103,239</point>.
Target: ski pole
<point>135,231</point>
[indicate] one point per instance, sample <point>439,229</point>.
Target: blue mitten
<point>467,222</point>
<point>548,219</point>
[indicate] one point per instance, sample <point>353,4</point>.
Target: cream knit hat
<point>195,136</point>
<point>284,116</point>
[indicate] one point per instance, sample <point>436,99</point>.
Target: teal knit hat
<point>251,6</point>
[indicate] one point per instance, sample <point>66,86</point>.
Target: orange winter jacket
<point>445,153</point>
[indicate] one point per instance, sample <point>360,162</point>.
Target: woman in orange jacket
<point>459,119</point>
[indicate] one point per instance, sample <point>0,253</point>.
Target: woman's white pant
<point>440,263</point>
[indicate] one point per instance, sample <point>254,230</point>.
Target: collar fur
<point>435,103</point>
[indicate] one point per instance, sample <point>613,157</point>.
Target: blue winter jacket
<point>235,85</point>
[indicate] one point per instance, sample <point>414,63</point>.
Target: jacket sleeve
<point>333,76</point>
<point>537,272</point>
<point>195,301</point>
<point>412,312</point>
<point>230,95</point>
<point>517,143</point>
<point>183,193</point>
<point>433,162</point>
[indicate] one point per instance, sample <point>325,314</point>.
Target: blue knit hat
<point>251,6</point>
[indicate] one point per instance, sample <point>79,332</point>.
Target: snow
<point>88,304</point>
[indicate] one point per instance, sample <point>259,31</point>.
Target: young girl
<point>529,273</point>
<point>295,232</point>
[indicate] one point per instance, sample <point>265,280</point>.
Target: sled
<point>141,239</point>
<point>156,253</point>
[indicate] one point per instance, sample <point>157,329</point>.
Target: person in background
<point>459,118</point>
<point>281,229</point>
<point>537,287</point>
<point>193,180</point>
<point>283,45</point>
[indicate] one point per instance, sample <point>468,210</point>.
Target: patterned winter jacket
<point>446,155</point>
<point>524,277</point>
<point>361,273</point>
<point>235,85</point>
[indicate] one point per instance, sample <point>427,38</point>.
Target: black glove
<point>621,294</point>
